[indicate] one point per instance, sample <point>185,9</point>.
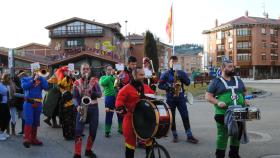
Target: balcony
<point>75,33</point>
<point>244,62</point>
<point>243,38</point>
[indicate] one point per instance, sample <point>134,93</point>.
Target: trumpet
<point>85,102</point>
<point>43,73</point>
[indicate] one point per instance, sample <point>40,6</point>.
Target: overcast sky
<point>24,21</point>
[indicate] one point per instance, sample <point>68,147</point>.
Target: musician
<point>221,96</point>
<point>126,101</point>
<point>110,98</point>
<point>32,107</point>
<point>67,111</point>
<point>126,75</point>
<point>167,83</point>
<point>150,80</point>
<point>86,86</point>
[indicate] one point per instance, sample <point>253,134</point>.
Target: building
<point>191,61</point>
<point>136,49</point>
<point>251,42</point>
<point>73,40</point>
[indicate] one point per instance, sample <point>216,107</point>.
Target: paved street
<point>201,114</point>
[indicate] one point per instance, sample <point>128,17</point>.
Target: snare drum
<point>246,114</point>
<point>151,119</point>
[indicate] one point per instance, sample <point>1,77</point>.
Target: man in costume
<point>167,83</point>
<point>150,78</point>
<point>67,109</point>
<point>32,107</point>
<point>86,86</point>
<point>51,100</point>
<point>125,76</point>
<point>126,101</point>
<point>110,98</point>
<point>223,92</point>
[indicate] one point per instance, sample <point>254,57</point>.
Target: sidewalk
<point>268,81</point>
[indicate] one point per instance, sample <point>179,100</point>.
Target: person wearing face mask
<point>223,92</point>
<point>86,86</point>
<point>126,101</point>
<point>166,83</point>
<point>126,75</point>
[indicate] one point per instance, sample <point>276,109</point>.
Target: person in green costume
<point>107,82</point>
<point>225,91</point>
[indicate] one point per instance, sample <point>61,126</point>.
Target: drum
<point>151,119</point>
<point>246,114</point>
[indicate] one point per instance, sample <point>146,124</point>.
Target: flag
<point>169,25</point>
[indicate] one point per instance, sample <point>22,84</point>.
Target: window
<point>263,44</point>
<point>273,32</point>
<point>244,57</point>
<point>274,55</point>
<point>263,31</point>
<point>274,45</point>
<point>230,45</point>
<point>75,27</point>
<point>74,43</point>
<point>221,47</point>
<point>59,30</point>
<point>263,56</point>
<point>93,29</point>
<point>220,35</point>
<point>244,32</point>
<point>244,45</point>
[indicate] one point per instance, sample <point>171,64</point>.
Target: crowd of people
<point>74,100</point>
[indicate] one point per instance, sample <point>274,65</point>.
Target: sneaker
<point>107,134</point>
<point>2,137</point>
<point>6,135</point>
<point>20,133</point>
<point>175,139</point>
<point>192,139</point>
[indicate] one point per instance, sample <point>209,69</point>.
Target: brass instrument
<point>43,73</point>
<point>177,84</point>
<point>117,80</point>
<point>85,102</point>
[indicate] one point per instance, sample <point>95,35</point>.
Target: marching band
<point>74,94</point>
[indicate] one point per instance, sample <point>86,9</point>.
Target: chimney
<point>266,15</point>
<point>246,13</point>
<point>216,23</point>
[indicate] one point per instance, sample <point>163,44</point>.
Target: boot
<point>89,143</point>
<point>175,139</point>
<point>107,130</point>
<point>13,127</point>
<point>129,153</point>
<point>90,154</point>
<point>34,139</point>
<point>234,152</point>
<point>220,153</point>
<point>148,149</point>
<point>27,136</point>
<point>78,147</point>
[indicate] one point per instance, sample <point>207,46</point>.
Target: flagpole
<point>173,52</point>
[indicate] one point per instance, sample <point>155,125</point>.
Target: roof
<point>246,20</point>
<point>86,53</point>
<point>135,37</point>
<point>30,44</point>
<point>111,26</point>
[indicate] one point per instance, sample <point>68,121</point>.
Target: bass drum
<point>151,119</point>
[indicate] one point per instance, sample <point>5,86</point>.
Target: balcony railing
<point>75,33</point>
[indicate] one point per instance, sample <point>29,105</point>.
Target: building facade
<point>191,61</point>
<point>251,42</point>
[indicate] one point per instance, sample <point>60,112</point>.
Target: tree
<point>150,49</point>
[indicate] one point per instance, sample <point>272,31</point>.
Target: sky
<point>24,21</point>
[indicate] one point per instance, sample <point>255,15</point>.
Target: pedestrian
<point>89,88</point>
<point>169,81</point>
<point>107,82</point>
<point>4,108</point>
<point>225,91</point>
<point>11,102</point>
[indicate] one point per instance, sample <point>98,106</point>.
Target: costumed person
<point>223,92</point>
<point>126,101</point>
<point>107,82</point>
<point>125,76</point>
<point>86,87</point>
<point>32,107</point>
<point>150,78</point>
<point>52,97</point>
<point>4,108</point>
<point>19,101</point>
<point>67,109</point>
<point>175,97</point>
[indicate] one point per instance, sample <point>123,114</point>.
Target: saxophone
<point>85,102</point>
<point>177,85</point>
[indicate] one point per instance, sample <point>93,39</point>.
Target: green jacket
<point>107,82</point>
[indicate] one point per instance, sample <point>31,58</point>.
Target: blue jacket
<point>31,90</point>
<point>3,93</point>
<point>166,82</point>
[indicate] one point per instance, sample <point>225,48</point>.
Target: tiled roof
<point>135,37</point>
<point>30,44</point>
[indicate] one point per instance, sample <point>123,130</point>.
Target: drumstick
<point>110,110</point>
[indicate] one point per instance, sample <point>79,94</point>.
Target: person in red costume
<point>126,101</point>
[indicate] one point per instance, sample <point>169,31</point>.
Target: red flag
<point>169,25</point>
